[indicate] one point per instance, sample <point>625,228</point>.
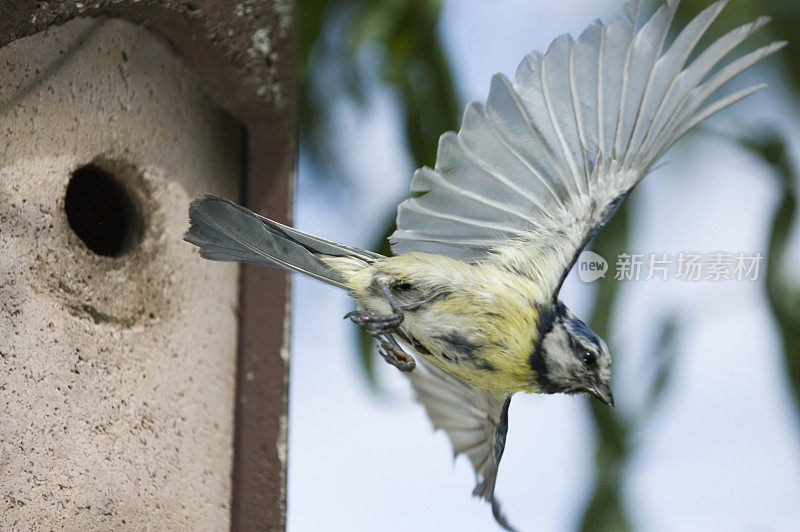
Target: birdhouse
<point>140,386</point>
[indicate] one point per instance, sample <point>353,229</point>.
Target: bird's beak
<point>602,392</point>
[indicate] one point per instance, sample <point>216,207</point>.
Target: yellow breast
<point>479,324</point>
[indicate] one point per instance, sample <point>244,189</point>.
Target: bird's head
<point>570,357</point>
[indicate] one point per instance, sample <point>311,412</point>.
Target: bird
<point>468,303</point>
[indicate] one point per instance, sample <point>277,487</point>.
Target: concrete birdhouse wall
<point>125,360</point>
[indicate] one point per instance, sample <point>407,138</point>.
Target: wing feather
<point>644,55</point>
<point>507,118</point>
<point>475,421</point>
<point>531,177</point>
<point>665,72</point>
<point>686,81</point>
<point>586,74</point>
<point>685,118</point>
<point>618,37</point>
<point>557,98</point>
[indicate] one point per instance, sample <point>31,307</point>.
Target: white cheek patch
<point>561,363</point>
<point>605,367</point>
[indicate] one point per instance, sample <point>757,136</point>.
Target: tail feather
<point>319,245</point>
<point>225,231</point>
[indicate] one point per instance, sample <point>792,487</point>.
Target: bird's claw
<point>376,323</point>
<point>381,326</point>
<point>394,355</point>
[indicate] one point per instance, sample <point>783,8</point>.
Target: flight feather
<point>538,170</point>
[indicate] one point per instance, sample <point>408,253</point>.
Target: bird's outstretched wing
<point>475,421</point>
<point>534,174</point>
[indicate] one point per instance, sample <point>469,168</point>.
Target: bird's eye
<point>589,359</point>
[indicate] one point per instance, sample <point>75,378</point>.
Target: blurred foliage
<point>407,54</point>
<point>616,427</point>
<point>785,26</point>
<point>605,509</point>
<point>783,292</point>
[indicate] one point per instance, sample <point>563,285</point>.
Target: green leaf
<point>782,292</point>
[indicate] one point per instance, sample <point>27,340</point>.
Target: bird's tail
<point>226,231</point>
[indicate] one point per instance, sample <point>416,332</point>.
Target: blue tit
<point>468,305</point>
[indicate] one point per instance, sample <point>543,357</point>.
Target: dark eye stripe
<point>573,344</point>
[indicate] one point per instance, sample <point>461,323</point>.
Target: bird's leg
<point>379,324</point>
<point>381,327</point>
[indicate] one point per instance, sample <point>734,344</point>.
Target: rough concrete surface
<point>220,39</point>
<point>117,374</point>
